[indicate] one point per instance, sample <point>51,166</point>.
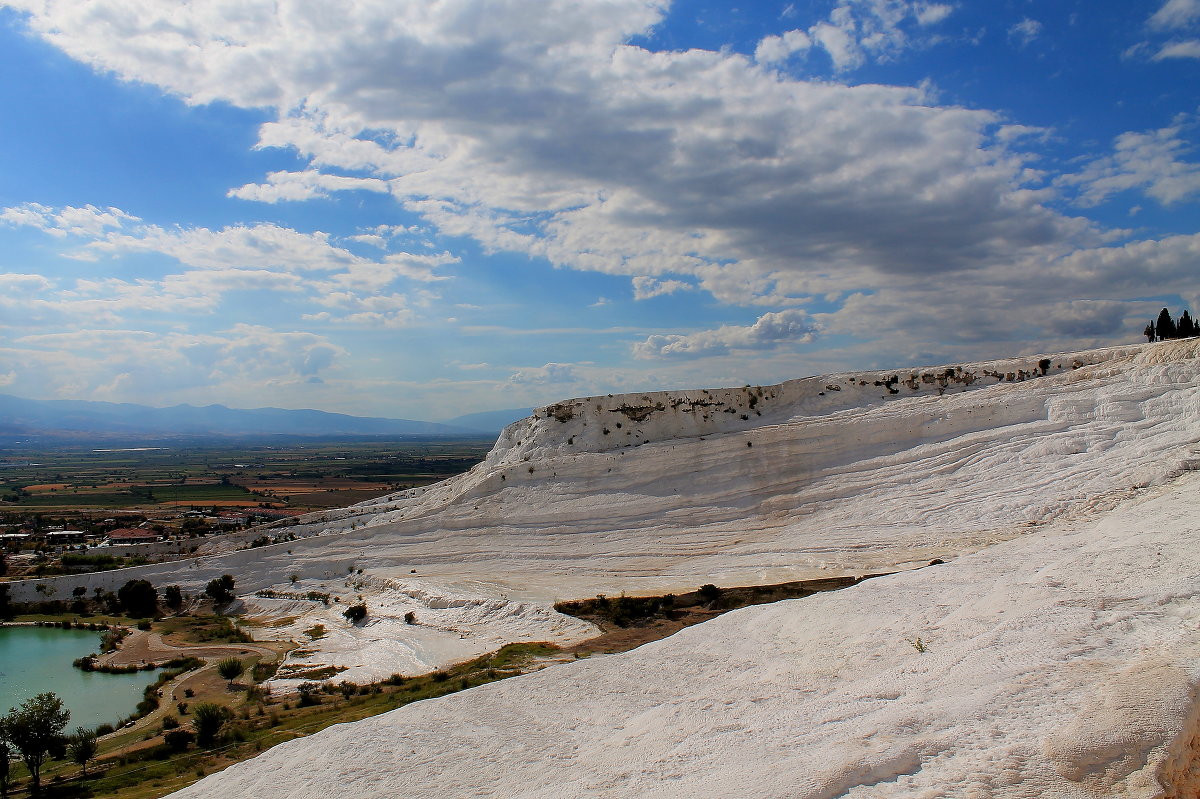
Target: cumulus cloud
<point>1150,161</point>
<point>646,287</point>
<point>773,49</point>
<point>861,30</point>
<point>1087,317</point>
<point>771,330</point>
<point>285,186</point>
<point>545,133</point>
<point>68,221</point>
<point>210,264</point>
<point>543,375</point>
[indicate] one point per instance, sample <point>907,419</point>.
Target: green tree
<point>1165,325</point>
<point>231,668</point>
<point>6,608</point>
<point>207,718</point>
<point>173,597</point>
<point>35,730</point>
<point>220,589</point>
<point>138,598</point>
<point>1186,327</point>
<point>82,747</point>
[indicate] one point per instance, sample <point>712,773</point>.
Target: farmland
<point>85,481</point>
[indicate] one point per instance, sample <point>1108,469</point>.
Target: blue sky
<point>421,209</point>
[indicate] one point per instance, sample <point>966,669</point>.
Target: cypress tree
<point>1186,327</point>
<point>1165,325</point>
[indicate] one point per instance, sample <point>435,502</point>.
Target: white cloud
<point>68,221</point>
<point>131,365</point>
<point>1086,317</point>
<point>284,186</point>
<point>210,264</point>
<point>1025,31</point>
<point>1175,14</point>
<point>542,375</point>
<point>771,330</point>
<point>773,49</point>
<point>1189,48</point>
<point>646,287</point>
<point>545,134</point>
<point>933,13</point>
<point>1148,161</point>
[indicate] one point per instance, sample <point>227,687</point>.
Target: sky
<point>430,208</point>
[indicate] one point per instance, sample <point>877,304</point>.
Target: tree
<point>81,747</point>
<point>1165,325</point>
<point>1186,327</point>
<point>138,598</point>
<point>207,718</point>
<point>221,589</point>
<point>6,609</point>
<point>35,730</point>
<point>173,597</point>
<point>231,668</point>
<point>1149,332</point>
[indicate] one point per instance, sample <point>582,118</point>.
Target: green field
<point>311,475</point>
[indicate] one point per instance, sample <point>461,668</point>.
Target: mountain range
<point>58,418</point>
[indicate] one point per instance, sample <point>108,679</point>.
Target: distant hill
<point>20,416</point>
<point>489,421</point>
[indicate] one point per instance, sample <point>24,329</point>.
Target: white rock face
<point>666,491</point>
<point>1060,664</point>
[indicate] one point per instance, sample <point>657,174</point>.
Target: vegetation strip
<point>209,734</point>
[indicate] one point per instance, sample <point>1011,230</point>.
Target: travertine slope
<point>665,491</point>
<point>1060,664</point>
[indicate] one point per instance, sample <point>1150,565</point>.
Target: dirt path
<point>142,646</point>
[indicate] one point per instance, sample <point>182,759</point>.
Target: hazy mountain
<point>20,416</point>
<point>489,421</point>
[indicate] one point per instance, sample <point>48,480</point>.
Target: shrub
<point>221,589</point>
<point>308,694</point>
<point>410,618</point>
<point>231,668</point>
<point>709,592</point>
<point>208,717</point>
<point>355,613</point>
<point>169,723</point>
<point>178,740</point>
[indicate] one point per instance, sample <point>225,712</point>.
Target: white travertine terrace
<point>1062,633</point>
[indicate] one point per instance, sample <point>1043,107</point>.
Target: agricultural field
<point>102,479</point>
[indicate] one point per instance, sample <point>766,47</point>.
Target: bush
<point>207,718</point>
<point>709,592</point>
<point>355,613</point>
<point>178,740</point>
<point>308,694</point>
<point>221,589</point>
<point>231,668</point>
<point>169,723</point>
